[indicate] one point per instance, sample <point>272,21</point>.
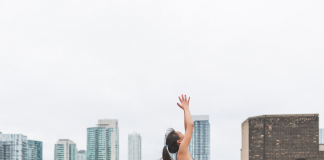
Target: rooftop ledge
<point>285,115</point>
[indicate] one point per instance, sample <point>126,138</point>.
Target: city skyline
<point>66,64</point>
<point>34,148</point>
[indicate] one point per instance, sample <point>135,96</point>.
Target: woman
<point>176,141</point>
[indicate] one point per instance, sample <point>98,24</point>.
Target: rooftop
<point>285,115</point>
<point>200,117</point>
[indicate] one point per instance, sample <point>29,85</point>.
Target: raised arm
<point>188,121</point>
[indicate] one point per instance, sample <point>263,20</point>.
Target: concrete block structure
<point>281,137</point>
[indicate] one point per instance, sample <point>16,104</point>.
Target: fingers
<point>179,105</point>
<point>183,98</point>
<point>180,99</point>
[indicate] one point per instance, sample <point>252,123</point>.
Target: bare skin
<point>184,141</point>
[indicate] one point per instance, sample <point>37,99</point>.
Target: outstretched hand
<point>184,102</point>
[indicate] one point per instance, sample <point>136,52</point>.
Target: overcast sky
<point>66,64</point>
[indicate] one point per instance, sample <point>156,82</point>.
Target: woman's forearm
<point>185,123</point>
<point>188,118</point>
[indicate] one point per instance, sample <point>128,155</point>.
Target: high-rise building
<point>82,155</point>
<point>1,149</point>
<point>34,150</point>
<point>65,149</point>
<point>13,147</point>
<point>134,146</point>
<point>199,146</point>
<point>103,140</point>
<point>173,155</point>
<point>321,136</point>
<point>281,137</point>
<point>97,143</point>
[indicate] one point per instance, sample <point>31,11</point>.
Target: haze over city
<point>66,64</point>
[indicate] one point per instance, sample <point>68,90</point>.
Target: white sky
<point>66,64</point>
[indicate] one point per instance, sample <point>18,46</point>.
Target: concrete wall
<point>245,141</point>
<point>321,147</point>
<point>281,137</point>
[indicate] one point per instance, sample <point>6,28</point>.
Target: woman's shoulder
<point>184,156</point>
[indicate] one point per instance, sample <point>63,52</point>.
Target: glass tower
<point>34,150</point>
<point>173,155</point>
<point>96,143</point>
<point>1,151</point>
<point>82,155</point>
<point>321,136</point>
<point>103,141</point>
<point>200,141</point>
<point>65,149</point>
<point>134,146</point>
<point>13,147</point>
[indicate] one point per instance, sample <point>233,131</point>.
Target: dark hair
<point>171,141</point>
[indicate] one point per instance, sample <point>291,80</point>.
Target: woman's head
<point>173,141</point>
